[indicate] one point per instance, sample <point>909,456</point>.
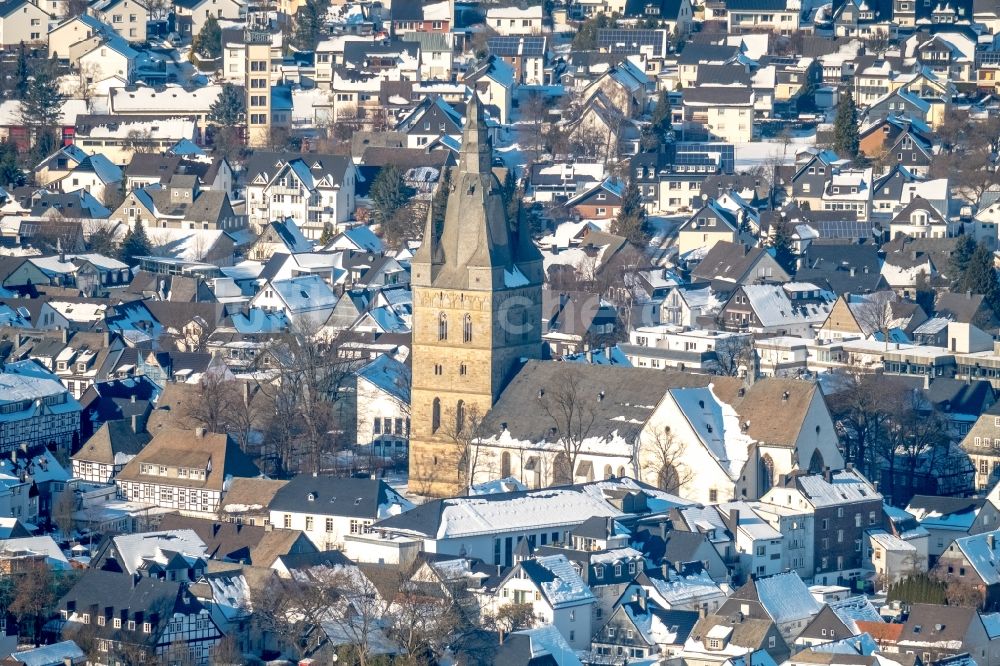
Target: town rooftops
<point>339,496</point>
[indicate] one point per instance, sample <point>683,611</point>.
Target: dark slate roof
<point>516,651</point>
<point>668,9</point>
<point>727,261</point>
<point>756,5</point>
<point>723,75</point>
<point>138,599</point>
<point>331,495</point>
<point>620,397</point>
<point>945,505</point>
<point>694,54</point>
<point>931,623</point>
<point>106,401</point>
<point>829,265</point>
<point>718,95</point>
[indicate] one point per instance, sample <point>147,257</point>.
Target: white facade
<point>515,21</point>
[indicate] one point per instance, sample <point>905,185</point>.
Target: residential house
<point>515,21</point>
<point>793,308</point>
<point>776,16</point>
<point>972,561</point>
<point>716,637</point>
<point>601,202</point>
<point>35,408</point>
<point>710,224</point>
<point>329,510</point>
<point>719,113</point>
<point>107,452</point>
<point>844,505</point>
<point>22,21</point>
<point>527,55</point>
<point>728,265</point>
<point>383,407</point>
<point>934,633</point>
<point>160,618</point>
<point>184,470</point>
<point>316,192</point>
<point>126,17</point>
<point>782,598</point>
<point>556,593</point>
<point>181,204</point>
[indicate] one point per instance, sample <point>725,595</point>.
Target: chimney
<point>968,294</point>
<point>827,475</point>
<point>132,399</point>
<point>665,568</point>
<point>135,579</point>
<point>64,335</point>
<point>734,517</point>
<point>200,433</point>
<point>702,612</point>
<point>590,355</point>
<point>852,271</point>
<point>136,423</point>
<point>991,541</point>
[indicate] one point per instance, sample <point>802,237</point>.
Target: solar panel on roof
<point>515,45</point>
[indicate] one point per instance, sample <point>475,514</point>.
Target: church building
<point>477,295</point>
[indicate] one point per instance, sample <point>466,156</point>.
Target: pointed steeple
<point>475,156</point>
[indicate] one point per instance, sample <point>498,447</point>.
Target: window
<point>467,328</point>
<point>118,623</point>
<point>442,326</point>
<point>288,521</point>
<point>713,495</point>
<point>146,627</point>
<point>329,525</point>
<point>309,523</point>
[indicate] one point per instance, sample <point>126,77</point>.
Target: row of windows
<point>466,327</point>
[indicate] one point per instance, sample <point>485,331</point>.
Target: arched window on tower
<point>442,326</point>
<point>460,416</point>
<point>436,415</point>
<point>467,328</point>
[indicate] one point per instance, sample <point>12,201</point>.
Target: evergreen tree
<point>631,221</point>
<point>307,26</point>
<point>846,137</point>
<point>781,245</point>
<point>965,246</point>
<point>102,241</point>
<point>389,193</point>
<point>22,73</point>
<point>660,125</point>
<point>924,293</point>
<point>980,277</point>
<point>135,244</point>
<point>41,106</point>
<point>230,108</point>
<point>10,172</point>
<point>586,37</point>
<point>207,45</point>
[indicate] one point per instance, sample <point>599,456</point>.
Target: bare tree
<point>573,414</point>
<point>510,618</point>
<point>63,510</point>
<point>358,611</point>
<point>419,619</point>
<point>875,314</point>
<point>661,457</point>
<point>464,429</point>
<point>304,390</point>
<point>734,355</point>
<point>214,400</point>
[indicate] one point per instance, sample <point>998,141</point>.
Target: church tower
<point>477,309</point>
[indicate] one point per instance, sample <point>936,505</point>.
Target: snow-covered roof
<point>845,486</point>
<point>39,545</point>
<point>773,307</point>
<point>717,425</point>
<point>981,550</point>
<point>786,598</point>
<point>134,548</point>
<point>559,580</point>
<point>389,375</point>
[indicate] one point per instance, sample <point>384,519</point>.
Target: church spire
<point>475,156</point>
